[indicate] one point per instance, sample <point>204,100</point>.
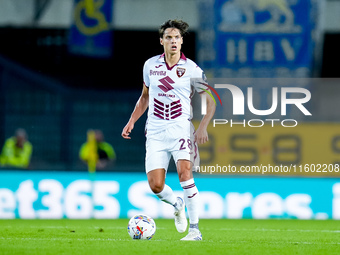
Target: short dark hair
<point>181,25</point>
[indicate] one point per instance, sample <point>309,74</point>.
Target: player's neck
<point>172,59</point>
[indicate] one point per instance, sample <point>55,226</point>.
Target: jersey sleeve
<point>199,80</point>
<point>146,78</point>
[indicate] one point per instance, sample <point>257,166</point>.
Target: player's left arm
<point>201,134</point>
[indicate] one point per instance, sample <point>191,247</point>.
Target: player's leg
<point>191,198</point>
<point>157,184</point>
<point>156,179</point>
<point>186,157</point>
<point>156,164</point>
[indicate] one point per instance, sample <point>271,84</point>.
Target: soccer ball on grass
<point>141,227</point>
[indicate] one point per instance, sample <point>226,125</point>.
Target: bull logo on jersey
<point>180,71</point>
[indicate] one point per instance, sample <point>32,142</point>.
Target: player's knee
<point>184,170</point>
<point>184,175</point>
<point>156,186</point>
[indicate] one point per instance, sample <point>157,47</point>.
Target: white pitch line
<point>59,239</point>
<point>223,229</point>
<point>64,239</point>
<point>159,240</point>
<point>73,227</point>
<point>280,230</point>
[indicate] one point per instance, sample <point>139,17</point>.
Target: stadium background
<point>57,91</point>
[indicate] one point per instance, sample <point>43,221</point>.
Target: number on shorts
<point>182,141</point>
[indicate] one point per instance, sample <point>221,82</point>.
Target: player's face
<point>172,41</point>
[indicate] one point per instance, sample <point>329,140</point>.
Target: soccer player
<point>169,82</point>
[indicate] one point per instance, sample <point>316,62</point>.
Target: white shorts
<point>176,141</point>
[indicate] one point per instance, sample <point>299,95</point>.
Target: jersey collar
<point>181,61</point>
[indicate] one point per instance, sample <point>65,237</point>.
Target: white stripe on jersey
<point>170,91</point>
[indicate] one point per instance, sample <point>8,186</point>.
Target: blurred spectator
<point>17,150</point>
<point>105,152</point>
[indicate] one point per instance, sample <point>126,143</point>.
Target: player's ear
<point>161,41</point>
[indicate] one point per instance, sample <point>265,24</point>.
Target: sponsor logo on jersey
<point>180,71</point>
<point>166,84</point>
<point>158,66</point>
<point>159,73</point>
<point>166,95</point>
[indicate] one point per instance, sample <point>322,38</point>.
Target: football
<point>141,227</point>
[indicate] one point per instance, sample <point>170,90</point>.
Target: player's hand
<point>201,136</point>
<point>127,130</point>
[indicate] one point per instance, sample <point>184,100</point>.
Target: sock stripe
<point>189,186</point>
<point>192,195</point>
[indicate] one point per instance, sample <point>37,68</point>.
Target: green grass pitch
<point>224,236</point>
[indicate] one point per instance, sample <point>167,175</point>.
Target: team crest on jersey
<point>180,71</point>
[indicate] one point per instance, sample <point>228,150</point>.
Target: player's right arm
<point>141,106</point>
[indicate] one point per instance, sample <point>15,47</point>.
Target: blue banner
<point>90,33</point>
<point>56,195</point>
<point>272,38</point>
